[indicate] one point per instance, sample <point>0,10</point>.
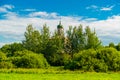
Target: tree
<point>9,49</point>
<point>118,47</point>
<point>75,40</point>
<point>45,37</point>
<point>80,37</point>
<point>32,40</point>
<point>112,45</point>
<point>55,50</point>
<point>91,39</point>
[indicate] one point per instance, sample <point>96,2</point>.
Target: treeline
<point>77,48</point>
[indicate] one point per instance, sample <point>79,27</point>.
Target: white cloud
<point>97,8</point>
<point>10,15</point>
<point>43,14</point>
<point>108,28</point>
<point>37,14</point>
<point>6,8</point>
<point>3,9</point>
<point>14,25</point>
<point>92,7</point>
<point>106,8</point>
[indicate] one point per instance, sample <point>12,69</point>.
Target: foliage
<point>45,37</point>
<point>9,49</point>
<point>32,40</point>
<point>118,46</point>
<point>111,57</point>
<point>28,59</point>
<point>54,51</point>
<point>2,56</point>
<point>78,48</point>
<point>112,45</point>
<point>78,40</point>
<point>4,64</point>
<point>91,39</point>
<point>75,39</point>
<point>96,60</point>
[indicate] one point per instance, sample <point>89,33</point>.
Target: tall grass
<point>55,73</point>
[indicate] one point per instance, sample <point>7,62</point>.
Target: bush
<point>58,59</point>
<point>111,57</point>
<point>4,64</point>
<point>100,60</point>
<point>84,60</point>
<point>9,49</point>
<point>100,66</point>
<point>28,59</point>
<point>2,56</point>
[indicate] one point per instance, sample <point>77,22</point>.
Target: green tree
<point>92,41</point>
<point>118,47</point>
<point>45,37</point>
<point>75,41</point>
<point>112,45</point>
<point>9,49</point>
<point>55,50</point>
<point>32,40</point>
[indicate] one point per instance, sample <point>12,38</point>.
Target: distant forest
<point>75,49</point>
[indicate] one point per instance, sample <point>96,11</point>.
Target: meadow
<point>55,74</point>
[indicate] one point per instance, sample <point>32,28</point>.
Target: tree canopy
<point>77,48</point>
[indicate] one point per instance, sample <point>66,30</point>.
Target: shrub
<point>111,57</point>
<point>100,60</point>
<point>100,66</point>
<point>84,60</point>
<point>58,59</point>
<point>4,64</point>
<point>28,59</point>
<point>2,56</point>
<point>9,49</point>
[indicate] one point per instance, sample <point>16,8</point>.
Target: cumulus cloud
<point>3,9</point>
<point>6,8</point>
<point>14,25</point>
<point>43,14</point>
<point>108,28</point>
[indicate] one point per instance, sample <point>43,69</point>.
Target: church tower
<point>60,29</point>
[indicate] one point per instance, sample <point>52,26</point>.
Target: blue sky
<point>103,15</point>
<point>68,7</point>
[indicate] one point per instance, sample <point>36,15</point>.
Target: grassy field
<point>50,74</point>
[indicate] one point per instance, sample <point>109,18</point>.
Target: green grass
<point>55,74</point>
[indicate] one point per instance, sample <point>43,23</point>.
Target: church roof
<point>60,25</point>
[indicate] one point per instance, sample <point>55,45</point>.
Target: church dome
<point>60,25</point>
